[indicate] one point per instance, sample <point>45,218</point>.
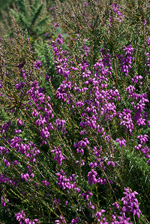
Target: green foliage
<point>137,170</point>
<point>4,6</point>
<point>44,53</point>
<point>33,17</point>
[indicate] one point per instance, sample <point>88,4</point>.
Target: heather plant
<point>29,16</point>
<point>97,21</point>
<point>44,53</point>
<point>109,25</point>
<point>74,139</point>
<point>95,163</point>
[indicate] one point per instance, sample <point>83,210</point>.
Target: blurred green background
<point>4,5</point>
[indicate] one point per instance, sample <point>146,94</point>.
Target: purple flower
<point>141,121</point>
<point>130,203</point>
<point>92,177</point>
<point>60,124</point>
<point>21,65</point>
<point>58,156</point>
<point>45,133</point>
<point>45,182</point>
<point>64,182</point>
<point>4,201</point>
<point>59,40</point>
<point>62,220</point>
<point>121,141</point>
<point>127,120</point>
<point>21,217</point>
<point>137,78</point>
<point>100,218</point>
<point>75,220</point>
<point>5,127</point>
<point>116,205</point>
<point>126,61</point>
<point>116,10</point>
<point>20,85</point>
<point>145,21</point>
<point>19,122</point>
<point>130,89</point>
<point>24,176</point>
<point>148,41</point>
<point>110,162</point>
<point>37,64</point>
<point>143,138</point>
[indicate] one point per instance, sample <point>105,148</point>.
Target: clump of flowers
<point>22,219</point>
<point>37,64</point>
<point>126,61</point>
<point>130,203</point>
<point>116,9</point>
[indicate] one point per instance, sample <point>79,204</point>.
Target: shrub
<point>74,136</point>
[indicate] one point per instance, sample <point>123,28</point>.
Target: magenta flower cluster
<point>4,201</point>
<point>58,156</point>
<point>64,182</point>
<point>130,203</point>
<point>116,9</point>
<point>126,61</point>
<point>37,64</point>
<point>22,219</point>
<point>148,56</point>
